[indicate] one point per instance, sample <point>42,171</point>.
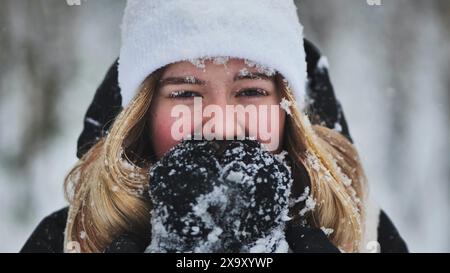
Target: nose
<point>221,121</point>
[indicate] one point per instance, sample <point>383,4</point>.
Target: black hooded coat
<point>324,108</point>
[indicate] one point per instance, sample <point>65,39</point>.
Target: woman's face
<point>203,99</point>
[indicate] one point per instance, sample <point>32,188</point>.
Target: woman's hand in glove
<point>213,196</point>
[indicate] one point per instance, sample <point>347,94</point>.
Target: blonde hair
<point>329,165</point>
<point>107,188</point>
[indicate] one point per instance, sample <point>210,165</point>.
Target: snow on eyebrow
<point>244,73</point>
<point>190,79</point>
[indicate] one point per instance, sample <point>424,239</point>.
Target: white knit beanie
<point>156,33</point>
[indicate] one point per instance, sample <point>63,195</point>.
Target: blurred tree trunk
<point>35,47</point>
<point>34,43</point>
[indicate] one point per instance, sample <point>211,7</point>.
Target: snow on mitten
<point>208,197</point>
<point>259,186</point>
<point>187,172</point>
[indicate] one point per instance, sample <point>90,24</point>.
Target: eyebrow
<point>252,76</point>
<point>195,81</point>
<point>181,80</point>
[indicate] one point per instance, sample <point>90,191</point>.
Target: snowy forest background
<point>389,65</point>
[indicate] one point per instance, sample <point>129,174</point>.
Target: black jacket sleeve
<point>127,243</point>
<point>388,236</point>
<point>309,240</point>
<point>300,240</point>
<point>48,237</point>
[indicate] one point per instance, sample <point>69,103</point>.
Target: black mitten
<point>258,191</point>
<point>185,174</point>
<point>219,197</point>
<point>126,243</point>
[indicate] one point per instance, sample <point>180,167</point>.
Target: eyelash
<point>181,94</point>
<point>259,92</point>
<point>186,94</point>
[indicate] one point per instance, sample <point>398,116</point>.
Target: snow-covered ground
<point>389,65</point>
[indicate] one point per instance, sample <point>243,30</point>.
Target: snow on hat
<point>156,33</point>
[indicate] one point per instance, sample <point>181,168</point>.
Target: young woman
<point>225,53</point>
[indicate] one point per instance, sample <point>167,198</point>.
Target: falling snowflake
<point>285,105</point>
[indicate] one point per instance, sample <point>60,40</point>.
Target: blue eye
<point>252,92</point>
<point>183,94</point>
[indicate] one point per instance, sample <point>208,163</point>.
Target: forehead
<point>211,66</point>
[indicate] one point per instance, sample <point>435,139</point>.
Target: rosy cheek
<point>161,131</point>
<point>272,130</point>
<point>162,123</point>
